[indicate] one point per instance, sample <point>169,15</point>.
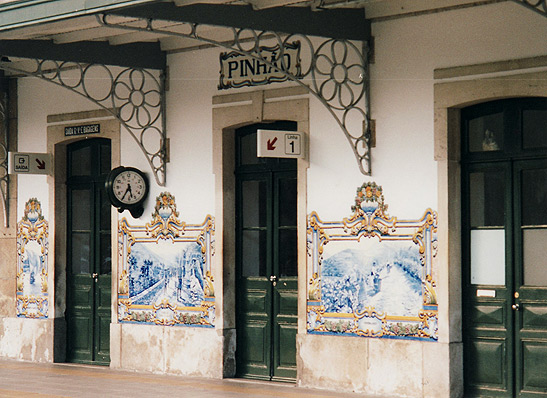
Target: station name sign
<point>238,70</point>
<point>82,130</point>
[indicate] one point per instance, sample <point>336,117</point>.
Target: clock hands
<point>128,190</point>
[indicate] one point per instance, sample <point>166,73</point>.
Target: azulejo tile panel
<point>371,274</point>
<point>32,269</point>
<point>165,275</point>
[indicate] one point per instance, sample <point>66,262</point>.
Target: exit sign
<point>280,144</point>
<point>29,163</point>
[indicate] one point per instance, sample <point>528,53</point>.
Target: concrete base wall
<point>362,365</point>
<point>26,340</point>
<point>163,349</point>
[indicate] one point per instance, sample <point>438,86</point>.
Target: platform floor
<point>24,379</point>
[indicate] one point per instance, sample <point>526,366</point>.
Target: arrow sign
<point>29,163</point>
<point>41,164</point>
<point>280,144</point>
<point>271,143</point>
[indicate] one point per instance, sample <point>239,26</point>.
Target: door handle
<point>95,276</point>
<point>273,279</point>
<point>515,307</point>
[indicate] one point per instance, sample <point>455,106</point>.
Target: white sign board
<point>280,144</point>
<point>29,163</point>
<point>238,70</point>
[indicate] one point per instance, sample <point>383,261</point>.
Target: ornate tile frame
<point>32,228</point>
<point>165,226</point>
<point>370,221</point>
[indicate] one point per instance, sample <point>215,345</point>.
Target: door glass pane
<point>105,211</point>
<point>80,162</point>
<point>486,133</point>
<point>488,257</point>
<point>487,205</point>
<point>105,158</point>
<point>287,202</point>
<point>534,128</point>
<point>288,252</point>
<point>254,203</point>
<point>105,254</point>
<point>80,253</point>
<point>535,257</point>
<point>253,256</point>
<point>80,207</point>
<point>534,197</point>
<point>247,149</point>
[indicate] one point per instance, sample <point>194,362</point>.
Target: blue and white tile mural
<point>371,274</point>
<point>32,267</point>
<point>165,270</point>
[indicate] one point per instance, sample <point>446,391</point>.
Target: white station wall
<point>193,77</point>
<point>36,100</point>
<point>407,51</point>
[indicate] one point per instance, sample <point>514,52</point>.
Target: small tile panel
<point>370,274</point>
<point>32,267</point>
<point>165,275</point>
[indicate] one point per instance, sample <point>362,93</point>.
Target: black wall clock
<point>127,188</point>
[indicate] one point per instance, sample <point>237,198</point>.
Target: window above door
<point>512,128</point>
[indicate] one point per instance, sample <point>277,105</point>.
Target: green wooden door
<point>530,277</point>
<point>488,286</point>
<point>505,248</point>
<point>266,252</point>
<point>88,310</point>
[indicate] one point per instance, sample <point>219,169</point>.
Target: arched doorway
<point>504,269</point>
<point>89,252</point>
<point>266,259</point>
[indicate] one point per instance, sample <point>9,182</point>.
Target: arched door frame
<point>56,144</point>
<point>454,89</point>
<point>280,105</point>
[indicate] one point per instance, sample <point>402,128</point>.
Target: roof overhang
<point>23,13</point>
<point>70,30</point>
<point>43,38</point>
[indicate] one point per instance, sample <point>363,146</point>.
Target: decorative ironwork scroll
<point>335,71</point>
<point>4,177</point>
<point>371,274</point>
<point>32,270</point>
<point>540,6</point>
<point>165,275</point>
<point>136,97</point>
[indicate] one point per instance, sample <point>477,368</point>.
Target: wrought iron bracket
<point>539,6</point>
<point>134,96</point>
<point>335,71</point>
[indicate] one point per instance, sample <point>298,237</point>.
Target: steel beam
<point>135,55</point>
<point>342,24</point>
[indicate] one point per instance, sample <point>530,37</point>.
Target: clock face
<point>129,187</point>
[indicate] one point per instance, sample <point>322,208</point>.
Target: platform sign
<point>280,144</point>
<point>29,163</point>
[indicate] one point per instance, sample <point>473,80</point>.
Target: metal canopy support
<point>336,73</point>
<point>540,6</point>
<point>136,97</point>
<point>335,69</point>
